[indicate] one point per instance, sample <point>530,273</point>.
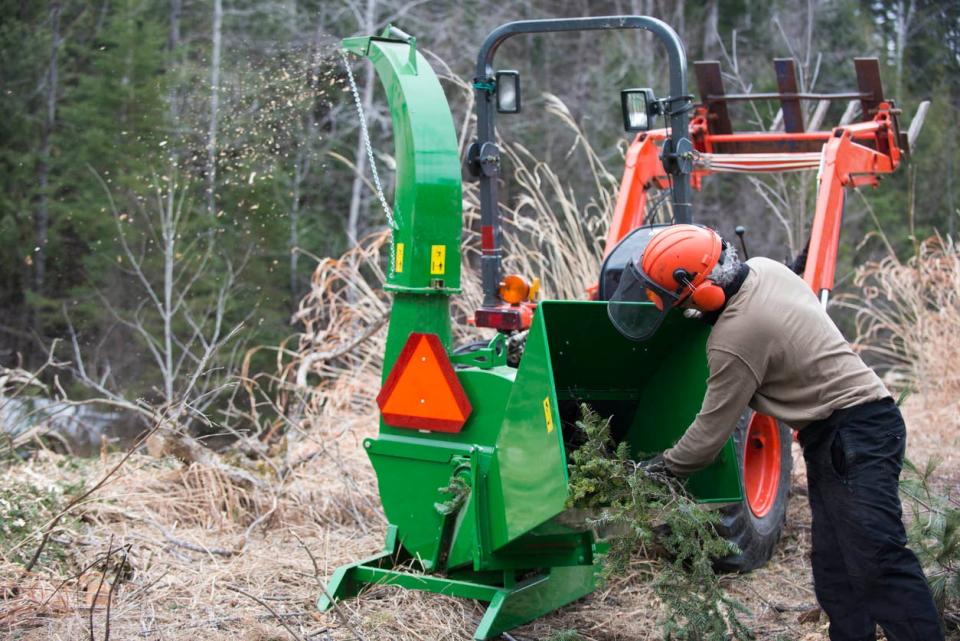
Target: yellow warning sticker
<point>438,259</point>
<point>398,261</point>
<point>547,414</point>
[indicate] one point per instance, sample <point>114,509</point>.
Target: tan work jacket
<point>775,349</point>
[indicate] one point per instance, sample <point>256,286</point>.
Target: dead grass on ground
<point>196,540</point>
<point>189,547</point>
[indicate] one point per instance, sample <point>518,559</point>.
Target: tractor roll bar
<point>486,156</point>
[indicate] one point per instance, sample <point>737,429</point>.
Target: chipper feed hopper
<point>471,455</point>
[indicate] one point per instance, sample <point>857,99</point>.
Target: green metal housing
<point>511,542</point>
<point>424,262</point>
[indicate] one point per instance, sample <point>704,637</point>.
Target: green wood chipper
<point>490,427</point>
<point>471,416</point>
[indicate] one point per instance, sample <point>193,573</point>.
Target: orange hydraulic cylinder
<point>845,163</point>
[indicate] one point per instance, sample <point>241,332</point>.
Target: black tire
<point>755,537</point>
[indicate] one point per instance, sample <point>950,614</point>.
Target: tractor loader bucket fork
<point>848,155</point>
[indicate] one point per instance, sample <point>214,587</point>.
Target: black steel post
<point>486,131</point>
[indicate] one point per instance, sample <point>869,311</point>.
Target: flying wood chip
<point>422,391</point>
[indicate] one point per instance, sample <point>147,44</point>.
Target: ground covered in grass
<point>169,551</point>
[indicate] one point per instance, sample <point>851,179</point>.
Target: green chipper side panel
<point>574,355</point>
<point>509,541</point>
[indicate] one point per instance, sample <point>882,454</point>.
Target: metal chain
<point>366,142</point>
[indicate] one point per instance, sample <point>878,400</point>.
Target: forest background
<point>229,127</point>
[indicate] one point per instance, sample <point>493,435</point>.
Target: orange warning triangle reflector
<point>422,391</point>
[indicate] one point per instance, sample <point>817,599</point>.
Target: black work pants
<point>863,573</point>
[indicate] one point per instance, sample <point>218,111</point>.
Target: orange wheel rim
<point>761,464</point>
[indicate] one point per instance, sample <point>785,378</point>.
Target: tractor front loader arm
<point>642,168</point>
<point>846,163</point>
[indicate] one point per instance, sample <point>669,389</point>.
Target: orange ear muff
<point>708,297</point>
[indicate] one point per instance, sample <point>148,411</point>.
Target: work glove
<point>654,466</point>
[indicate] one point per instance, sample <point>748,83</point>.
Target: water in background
<point>80,430</point>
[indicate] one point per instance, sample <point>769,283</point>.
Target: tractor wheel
<point>755,523</point>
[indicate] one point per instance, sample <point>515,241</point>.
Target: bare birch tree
<point>184,331</point>
<point>902,21</point>
<point>173,44</point>
<point>214,107</point>
<point>358,198</point>
<point>302,165</point>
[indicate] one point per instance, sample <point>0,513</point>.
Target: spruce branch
<point>651,514</point>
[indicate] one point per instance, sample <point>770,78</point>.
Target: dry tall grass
<point>908,320</point>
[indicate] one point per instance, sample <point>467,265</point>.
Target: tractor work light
<point>514,289</point>
<point>508,92</point>
<point>638,106</point>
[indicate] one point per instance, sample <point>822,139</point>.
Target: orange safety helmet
<point>685,255</point>
<point>675,265</point>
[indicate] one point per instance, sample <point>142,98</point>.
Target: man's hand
<point>654,467</point>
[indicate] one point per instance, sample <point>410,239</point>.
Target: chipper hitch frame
<point>489,434</point>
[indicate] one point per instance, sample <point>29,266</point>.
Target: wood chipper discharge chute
<point>471,456</point>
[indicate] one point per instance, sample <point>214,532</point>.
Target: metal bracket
<point>493,355</point>
<point>489,85</point>
<point>679,161</point>
<point>471,163</point>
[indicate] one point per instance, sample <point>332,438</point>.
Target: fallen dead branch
<point>323,588</point>
<point>76,501</point>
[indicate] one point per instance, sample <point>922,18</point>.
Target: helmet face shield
<point>628,310</point>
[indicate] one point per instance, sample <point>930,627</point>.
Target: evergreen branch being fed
<point>651,514</point>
